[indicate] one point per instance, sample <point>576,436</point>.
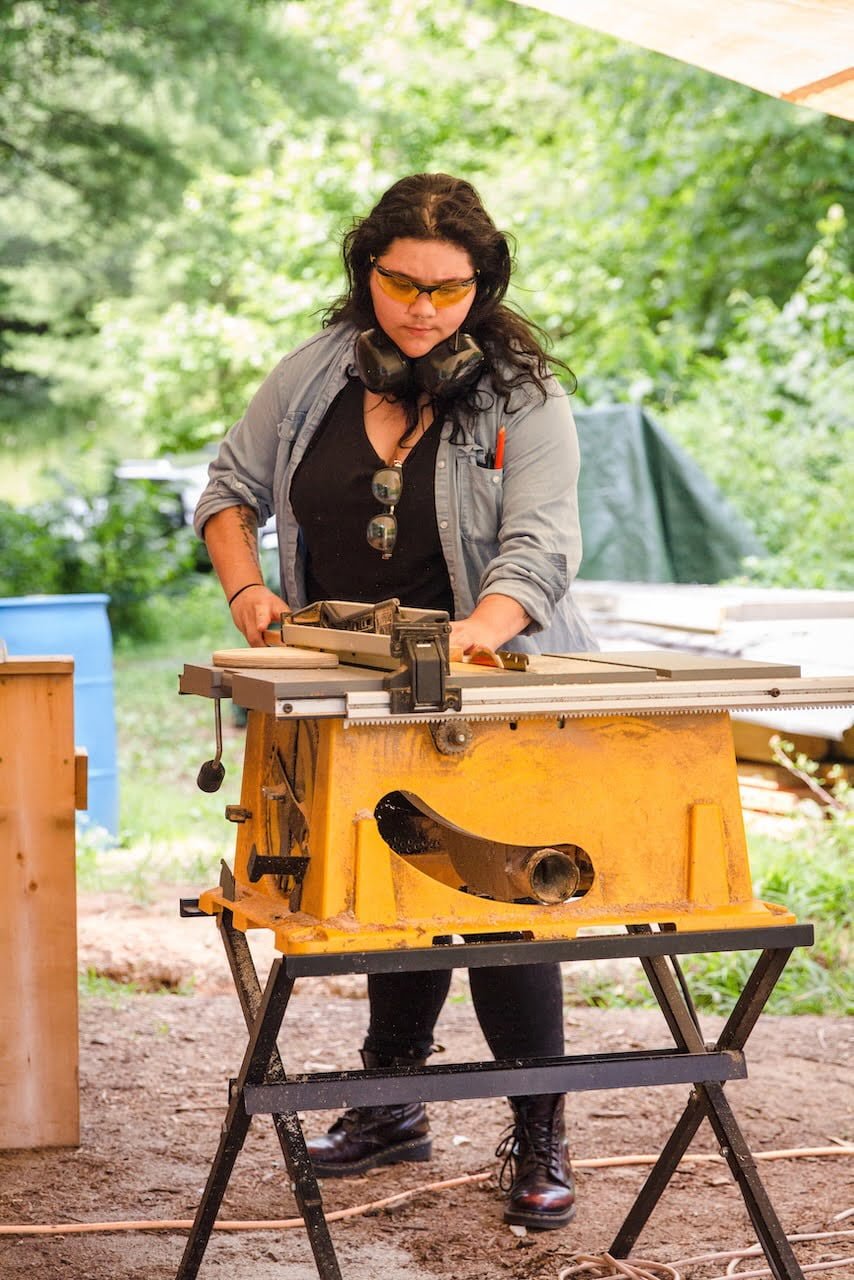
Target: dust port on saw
<point>527,874</point>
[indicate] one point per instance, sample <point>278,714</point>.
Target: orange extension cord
<point>287,1224</point>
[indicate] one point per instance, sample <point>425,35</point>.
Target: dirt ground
<point>154,1073</point>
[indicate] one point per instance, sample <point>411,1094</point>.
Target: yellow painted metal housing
<point>653,802</point>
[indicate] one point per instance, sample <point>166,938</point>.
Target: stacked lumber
<point>812,629</point>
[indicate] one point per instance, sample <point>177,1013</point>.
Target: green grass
<point>810,873</point>
<point>94,986</point>
<point>170,832</point>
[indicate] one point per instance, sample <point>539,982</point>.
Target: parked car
<point>181,484</point>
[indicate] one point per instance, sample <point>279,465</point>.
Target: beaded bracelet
<point>242,589</point>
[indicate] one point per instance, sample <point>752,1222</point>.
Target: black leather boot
<point>366,1137</point>
<point>536,1172</point>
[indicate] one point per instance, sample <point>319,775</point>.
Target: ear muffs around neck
<point>449,368</point>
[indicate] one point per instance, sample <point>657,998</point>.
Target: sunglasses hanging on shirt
<point>386,486</point>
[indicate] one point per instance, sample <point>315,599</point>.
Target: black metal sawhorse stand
<point>262,1086</point>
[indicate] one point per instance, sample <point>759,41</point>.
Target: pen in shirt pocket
<point>498,458</point>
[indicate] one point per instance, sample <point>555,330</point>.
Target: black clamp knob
<point>212,772</point>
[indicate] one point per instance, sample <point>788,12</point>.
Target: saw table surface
<point>348,676</point>
<point>573,684</point>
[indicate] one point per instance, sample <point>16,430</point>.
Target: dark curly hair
<point>436,206</point>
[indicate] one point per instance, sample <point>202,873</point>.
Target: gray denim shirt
<point>514,532</point>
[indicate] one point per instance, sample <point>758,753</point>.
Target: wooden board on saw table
<point>693,666</point>
<point>280,657</point>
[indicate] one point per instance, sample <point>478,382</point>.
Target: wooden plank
<point>552,668</point>
<point>786,48</point>
<point>692,666</point>
<point>204,681</point>
<point>669,607</point>
<point>584,667</point>
<point>340,642</point>
<point>778,802</point>
<point>688,607</point>
<point>39,1102</point>
<point>46,665</point>
<point>776,777</point>
<point>81,778</point>
<point>283,657</point>
<point>752,741</point>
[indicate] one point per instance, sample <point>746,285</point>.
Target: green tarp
<point>648,513</point>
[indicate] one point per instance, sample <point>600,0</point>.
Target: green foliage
<point>92,985</point>
<point>169,831</point>
<point>773,420</point>
<point>106,112</point>
<point>31,557</point>
<point>131,548</point>
<point>163,739</point>
<point>623,987</point>
<point>121,542</point>
<point>810,873</point>
<point>192,623</point>
<point>179,177</point>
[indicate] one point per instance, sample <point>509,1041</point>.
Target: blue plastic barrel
<point>79,626</point>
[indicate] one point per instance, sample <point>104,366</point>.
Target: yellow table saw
<point>401,811</point>
<point>381,810</point>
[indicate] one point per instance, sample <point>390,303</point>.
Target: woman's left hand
<point>494,621</point>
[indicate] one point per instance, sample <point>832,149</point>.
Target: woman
<point>419,447</point>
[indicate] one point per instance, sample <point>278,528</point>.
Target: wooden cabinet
<point>41,783</point>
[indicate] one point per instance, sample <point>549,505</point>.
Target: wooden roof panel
<point>799,50</point>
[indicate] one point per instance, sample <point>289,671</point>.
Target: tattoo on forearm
<point>249,531</point>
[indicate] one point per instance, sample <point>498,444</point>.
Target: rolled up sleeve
<point>242,474</point>
<point>539,537</point>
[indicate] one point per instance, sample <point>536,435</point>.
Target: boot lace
<point>364,1120</point>
<point>525,1147</point>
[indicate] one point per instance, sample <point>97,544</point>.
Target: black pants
<point>519,1008</point>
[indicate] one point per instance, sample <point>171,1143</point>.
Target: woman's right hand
<point>253,611</point>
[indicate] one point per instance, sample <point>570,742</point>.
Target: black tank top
<point>332,500</point>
